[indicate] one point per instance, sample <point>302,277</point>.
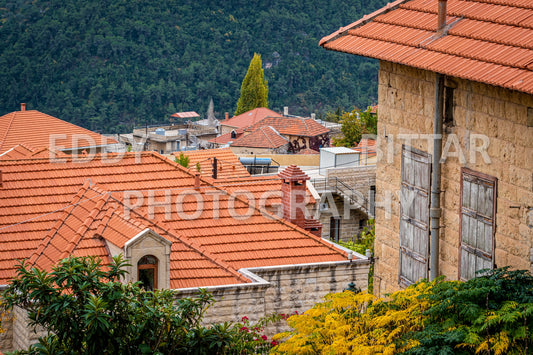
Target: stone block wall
<point>281,289</point>
<point>360,178</point>
<point>349,227</point>
<point>406,115</point>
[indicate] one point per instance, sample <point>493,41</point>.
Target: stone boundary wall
<point>282,289</point>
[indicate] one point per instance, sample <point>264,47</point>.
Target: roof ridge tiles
<point>58,224</point>
<point>2,141</point>
<point>266,135</point>
<point>161,226</point>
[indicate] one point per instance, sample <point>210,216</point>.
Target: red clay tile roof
<point>94,216</point>
<point>261,187</point>
<point>37,129</point>
<point>21,151</point>
<point>226,138</point>
<point>308,151</point>
<point>366,146</point>
<point>188,114</point>
<point>229,166</point>
<point>248,118</point>
<point>489,41</point>
<point>291,126</point>
<point>262,137</point>
<point>49,207</point>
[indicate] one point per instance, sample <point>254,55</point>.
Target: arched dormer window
<point>147,272</point>
<point>233,134</point>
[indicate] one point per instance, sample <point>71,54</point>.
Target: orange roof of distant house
<point>366,146</point>
<point>229,166</point>
<point>226,138</point>
<point>308,151</point>
<point>291,126</point>
<point>21,151</point>
<point>41,130</point>
<point>188,114</point>
<point>248,118</point>
<point>51,207</point>
<point>262,137</point>
<point>488,41</point>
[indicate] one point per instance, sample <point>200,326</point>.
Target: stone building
<point>256,251</point>
<point>455,136</point>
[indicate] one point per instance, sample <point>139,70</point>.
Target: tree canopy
<point>108,65</point>
<point>87,310</point>
<point>254,87</point>
<point>354,125</point>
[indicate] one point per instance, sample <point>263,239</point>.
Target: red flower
<point>264,337</point>
<point>244,329</point>
<point>274,343</point>
<point>244,319</point>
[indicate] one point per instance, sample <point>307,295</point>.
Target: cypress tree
<point>254,88</point>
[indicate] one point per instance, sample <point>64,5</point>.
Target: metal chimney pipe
<point>442,14</point>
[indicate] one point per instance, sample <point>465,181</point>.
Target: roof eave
<point>367,18</point>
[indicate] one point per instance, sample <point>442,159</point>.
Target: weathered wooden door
<point>414,215</point>
<point>478,206</point>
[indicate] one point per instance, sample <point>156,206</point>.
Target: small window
<point>448,106</point>
<point>147,272</point>
<point>334,228</point>
<point>233,134</point>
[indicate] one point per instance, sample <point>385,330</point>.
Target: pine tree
<point>254,88</point>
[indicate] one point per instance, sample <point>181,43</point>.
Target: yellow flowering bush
<point>348,323</point>
<point>490,314</point>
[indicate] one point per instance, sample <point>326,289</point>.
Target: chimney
<point>313,116</point>
<point>23,107</point>
<point>197,181</point>
<point>442,15</point>
<point>293,199</point>
<point>286,111</point>
<point>226,115</point>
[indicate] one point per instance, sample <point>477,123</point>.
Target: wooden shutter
<point>414,215</point>
<point>478,222</point>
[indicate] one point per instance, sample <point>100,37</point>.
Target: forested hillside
<point>107,65</point>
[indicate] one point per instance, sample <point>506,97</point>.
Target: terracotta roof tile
<point>226,138</point>
<point>489,41</point>
<point>262,137</point>
<point>249,118</point>
<point>73,207</point>
<point>308,151</point>
<point>37,129</point>
<point>229,166</point>
<point>188,114</point>
<point>291,126</point>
